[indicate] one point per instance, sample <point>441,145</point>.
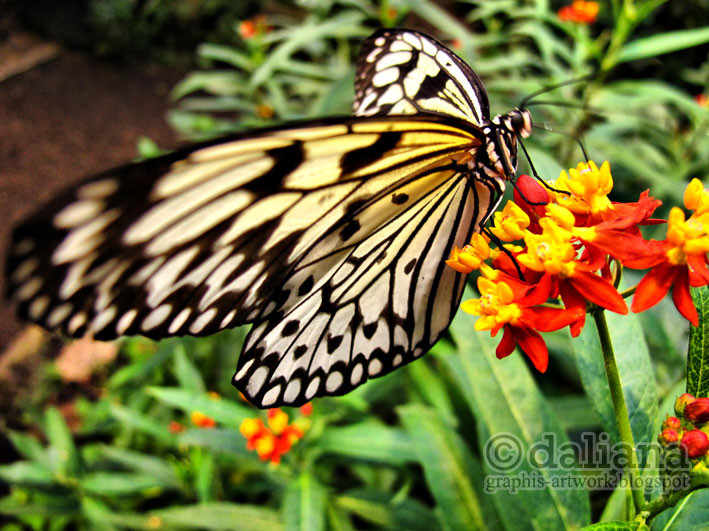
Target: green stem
<point>621,410</point>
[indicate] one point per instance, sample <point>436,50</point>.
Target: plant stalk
<point>619,407</point>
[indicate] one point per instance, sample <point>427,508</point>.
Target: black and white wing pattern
<point>329,236</point>
<point>287,229</point>
<point>402,72</point>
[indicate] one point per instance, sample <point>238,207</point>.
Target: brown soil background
<point>63,119</point>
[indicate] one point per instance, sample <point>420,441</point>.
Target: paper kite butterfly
<point>328,236</point>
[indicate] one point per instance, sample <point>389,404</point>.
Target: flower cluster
<point>276,436</point>
<point>567,242</point>
<point>689,428</point>
<point>248,29</point>
<point>579,11</point>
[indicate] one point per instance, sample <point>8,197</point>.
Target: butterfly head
<point>502,140</point>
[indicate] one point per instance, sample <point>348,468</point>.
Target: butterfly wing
<point>209,238</point>
<point>368,308</point>
<point>403,72</point>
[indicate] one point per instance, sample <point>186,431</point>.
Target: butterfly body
<point>329,236</point>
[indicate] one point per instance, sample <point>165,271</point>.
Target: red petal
<point>598,290</point>
<point>653,287</point>
<point>698,270</point>
<point>550,319</point>
<point>507,344</point>
<point>655,255</point>
<point>573,300</point>
<point>539,293</point>
<point>532,344</point>
<point>683,299</point>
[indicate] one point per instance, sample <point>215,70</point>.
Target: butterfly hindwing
<point>375,306</point>
<point>403,72</point>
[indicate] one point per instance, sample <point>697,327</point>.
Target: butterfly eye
<point>520,122</point>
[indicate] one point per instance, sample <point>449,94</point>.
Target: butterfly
<point>328,236</point>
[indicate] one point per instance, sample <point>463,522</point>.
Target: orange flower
<point>248,29</point>
<point>273,440</point>
<point>202,421</point>
<point>579,11</point>
<point>175,427</point>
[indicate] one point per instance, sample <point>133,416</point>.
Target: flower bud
<point>697,412</point>
<point>695,443</point>
<point>528,190</point>
<point>671,422</point>
<point>667,436</point>
<point>682,402</point>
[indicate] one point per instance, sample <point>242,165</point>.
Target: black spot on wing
<point>350,230</point>
<point>299,351</point>
<point>399,199</point>
<point>290,328</point>
<point>410,266</point>
<point>333,342</point>
<point>369,329</point>
<point>306,286</point>
<point>360,158</point>
<point>287,159</point>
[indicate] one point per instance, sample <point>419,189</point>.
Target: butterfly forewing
<point>202,240</point>
<point>403,72</point>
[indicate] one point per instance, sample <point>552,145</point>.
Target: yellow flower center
<point>510,223</point>
<point>551,251</point>
<point>589,187</point>
<point>495,306</point>
<point>688,237</point>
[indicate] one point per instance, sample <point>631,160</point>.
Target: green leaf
<point>123,484</point>
<point>662,43</point>
<point>27,474</point>
<point>451,472</point>
<point>62,453</point>
<point>636,376</point>
<point>223,411</point>
<point>30,448</point>
<point>220,516</point>
<point>132,419</point>
<point>690,514</point>
<point>225,440</point>
<point>513,414</point>
<point>145,464</point>
<point>54,506</point>
<point>186,373</point>
<point>381,510</point>
<point>698,355</point>
<point>305,503</point>
<point>369,441</point>
<point>615,526</point>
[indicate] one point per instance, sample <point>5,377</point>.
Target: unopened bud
<point>671,422</point>
<point>697,412</point>
<point>682,402</point>
<point>695,443</point>
<point>668,436</point>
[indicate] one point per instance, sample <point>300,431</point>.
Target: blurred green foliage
<point>404,451</point>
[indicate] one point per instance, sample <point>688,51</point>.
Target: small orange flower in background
<point>175,427</point>
<point>248,29</point>
<point>276,437</point>
<point>201,420</point>
<point>572,234</point>
<point>579,11</point>
<point>703,100</point>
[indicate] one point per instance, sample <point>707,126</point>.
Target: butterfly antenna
<point>500,245</point>
<point>549,88</point>
<point>576,139</point>
<point>537,177</point>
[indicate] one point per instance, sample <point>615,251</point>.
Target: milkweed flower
<point>579,11</point>
<point>517,312</point>
<point>274,438</point>
<point>201,420</point>
<point>573,233</point>
<point>679,260</point>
